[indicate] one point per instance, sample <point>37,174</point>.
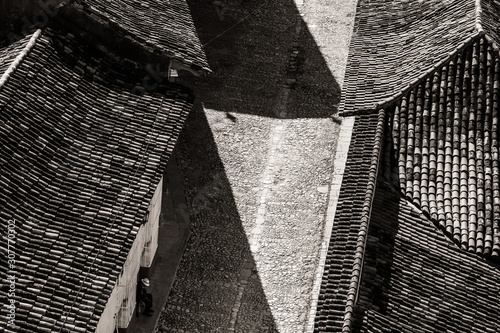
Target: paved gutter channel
<point>260,188</point>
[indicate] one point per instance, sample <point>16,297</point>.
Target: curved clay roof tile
<point>66,160</point>
<point>444,131</point>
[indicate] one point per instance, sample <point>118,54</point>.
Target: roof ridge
<point>479,26</point>
<point>394,98</point>
<point>20,57</point>
<point>479,12</point>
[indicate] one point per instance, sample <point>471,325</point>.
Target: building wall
<point>121,304</point>
<point>152,227</point>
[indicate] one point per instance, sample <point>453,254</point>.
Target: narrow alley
<point>258,155</point>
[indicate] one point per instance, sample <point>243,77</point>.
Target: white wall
<point>152,227</point>
<point>121,304</point>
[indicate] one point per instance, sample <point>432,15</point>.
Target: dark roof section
<point>9,54</point>
<point>395,43</point>
<point>80,158</point>
<point>490,16</point>
<point>161,27</point>
<point>445,151</point>
<point>414,280</point>
<point>344,258</point>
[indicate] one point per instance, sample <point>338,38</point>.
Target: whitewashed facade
<point>121,305</point>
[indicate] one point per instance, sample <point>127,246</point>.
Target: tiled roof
<point>345,252</point>
<point>163,26</point>
<point>9,54</point>
<point>490,15</point>
<point>445,142</point>
<point>434,68</point>
<point>80,158</point>
<point>414,280</point>
<point>396,42</point>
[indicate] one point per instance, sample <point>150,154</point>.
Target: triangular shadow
<point>272,69</point>
<point>217,287</point>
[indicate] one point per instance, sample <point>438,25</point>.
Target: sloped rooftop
<point>162,27</point>
<point>431,70</point>
<point>443,148</point>
<point>81,155</point>
<point>345,252</point>
<point>8,55</point>
<point>395,43</point>
<point>414,280</point>
<point>490,11</point>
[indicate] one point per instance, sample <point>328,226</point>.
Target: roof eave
<point>117,42</point>
<point>386,103</point>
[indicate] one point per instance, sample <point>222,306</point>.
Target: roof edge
<point>20,57</point>
<point>359,255</point>
<point>118,41</point>
<point>392,99</point>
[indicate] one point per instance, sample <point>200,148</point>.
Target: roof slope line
<point>394,98</point>
<point>354,284</point>
<point>479,27</point>
<point>479,13</point>
<point>17,61</point>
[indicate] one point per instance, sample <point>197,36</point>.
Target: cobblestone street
<point>257,153</point>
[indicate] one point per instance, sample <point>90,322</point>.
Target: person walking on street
<point>144,296</point>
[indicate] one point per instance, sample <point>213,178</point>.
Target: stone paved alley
<point>258,154</point>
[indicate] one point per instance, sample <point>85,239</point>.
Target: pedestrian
<point>144,296</point>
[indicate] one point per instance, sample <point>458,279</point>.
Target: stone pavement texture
<point>258,154</point>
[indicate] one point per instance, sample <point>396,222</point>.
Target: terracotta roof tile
<point>395,42</point>
<point>434,67</point>
<point>8,55</point>
<point>414,281</point>
<point>444,141</point>
<point>165,26</point>
<point>490,13</point>
<point>343,260</point>
<point>68,167</point>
